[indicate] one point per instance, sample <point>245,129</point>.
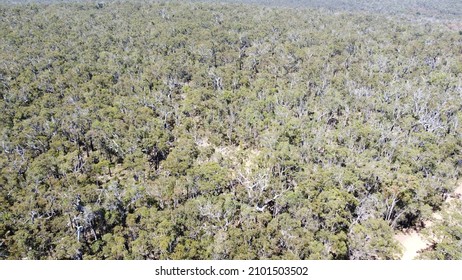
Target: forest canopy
<point>193,130</point>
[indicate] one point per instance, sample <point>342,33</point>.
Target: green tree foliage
<point>446,234</point>
<point>168,130</point>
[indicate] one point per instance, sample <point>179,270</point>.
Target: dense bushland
<point>218,131</point>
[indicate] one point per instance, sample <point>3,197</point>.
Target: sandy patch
<point>412,243</point>
<point>458,190</point>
